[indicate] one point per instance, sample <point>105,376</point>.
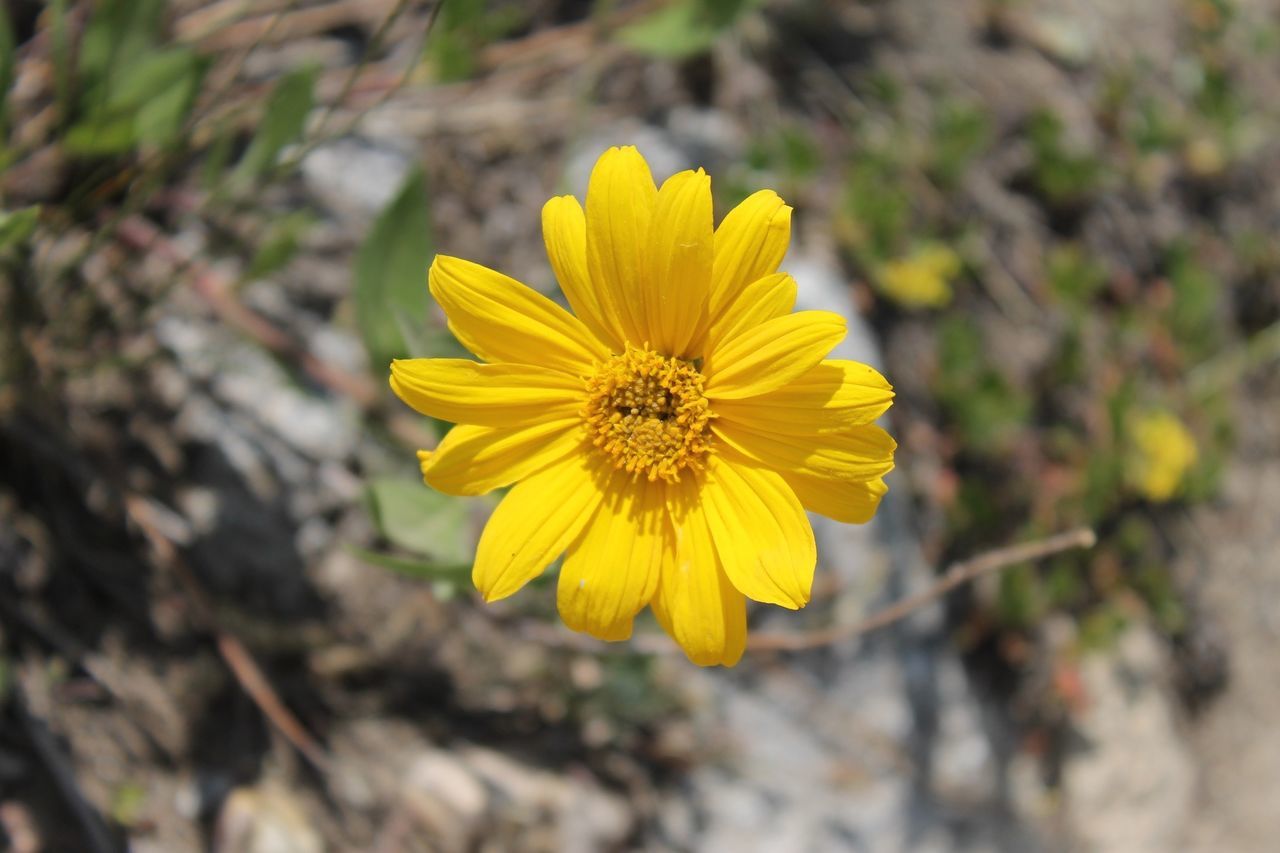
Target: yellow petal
<point>467,392</point>
<point>859,453</point>
<point>500,319</point>
<point>694,601</point>
<point>472,460</point>
<point>762,300</point>
<point>850,501</point>
<point>611,571</point>
<point>749,244</point>
<point>620,201</point>
<point>834,395</point>
<point>534,524</point>
<point>679,270</point>
<point>771,354</point>
<point>760,531</point>
<point>564,230</point>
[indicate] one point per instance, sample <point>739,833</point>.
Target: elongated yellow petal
<point>564,230</point>
<point>749,244</point>
<point>761,534</point>
<point>467,392</point>
<point>534,524</point>
<point>850,501</point>
<point>694,602</point>
<point>834,395</point>
<point>859,453</point>
<point>771,354</point>
<point>611,571</point>
<point>620,200</point>
<point>762,300</point>
<point>472,460</point>
<point>500,319</point>
<point>679,263</point>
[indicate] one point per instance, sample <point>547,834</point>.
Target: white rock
<point>354,176</point>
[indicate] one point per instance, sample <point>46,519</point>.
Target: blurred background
<point>233,619</point>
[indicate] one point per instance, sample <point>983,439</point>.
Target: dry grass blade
<point>237,658</point>
<point>93,829</point>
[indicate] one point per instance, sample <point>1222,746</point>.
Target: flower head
<point>922,279</point>
<point>1162,451</point>
<point>668,436</point>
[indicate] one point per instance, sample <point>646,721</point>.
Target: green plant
<point>1061,173</point>
<point>684,28</point>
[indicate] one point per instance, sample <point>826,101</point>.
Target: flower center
<point>647,413</point>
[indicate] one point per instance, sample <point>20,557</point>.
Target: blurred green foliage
<point>462,29</point>
<point>430,532</point>
<point>1062,174</point>
<point>280,244</point>
<point>684,28</point>
<point>7,48</point>
<point>877,205</point>
<point>961,133</point>
<point>132,88</point>
<point>284,119</point>
<point>16,227</point>
<point>391,296</point>
<point>988,410</point>
<point>1074,276</point>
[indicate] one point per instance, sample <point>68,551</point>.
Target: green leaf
<point>162,90</point>
<point>144,101</point>
<point>414,568</point>
<point>119,33</point>
<point>423,521</point>
<point>280,245</point>
<point>463,29</point>
<point>17,226</point>
<point>216,157</point>
<point>102,135</point>
<point>673,32</point>
<point>283,121</point>
<point>684,28</point>
<point>391,274</point>
<point>6,66</point>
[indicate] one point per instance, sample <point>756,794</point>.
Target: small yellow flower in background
<point>922,279</point>
<point>1162,451</point>
<point>667,439</point>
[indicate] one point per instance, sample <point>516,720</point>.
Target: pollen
<point>647,413</point>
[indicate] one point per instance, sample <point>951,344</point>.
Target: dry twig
<point>141,235</point>
<point>243,667</point>
<point>957,575</point>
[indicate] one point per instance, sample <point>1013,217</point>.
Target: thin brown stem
<point>238,659</point>
<point>957,575</point>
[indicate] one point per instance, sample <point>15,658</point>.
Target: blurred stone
<point>21,832</point>
<point>446,798</point>
<point>585,817</point>
<point>355,177</point>
<point>264,819</point>
<point>1129,787</point>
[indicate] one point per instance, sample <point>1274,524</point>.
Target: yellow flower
<point>1162,451</point>
<point>921,280</point>
<point>668,438</point>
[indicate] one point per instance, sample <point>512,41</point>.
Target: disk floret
<point>648,414</point>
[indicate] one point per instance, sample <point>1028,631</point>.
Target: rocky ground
<point>179,495</point>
